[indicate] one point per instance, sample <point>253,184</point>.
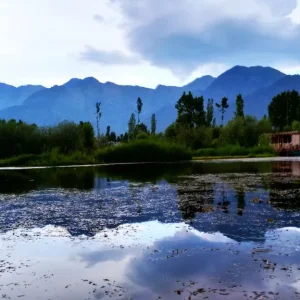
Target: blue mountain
<point>10,95</point>
<point>75,100</point>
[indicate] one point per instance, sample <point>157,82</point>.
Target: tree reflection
<point>195,198</point>
<point>240,196</point>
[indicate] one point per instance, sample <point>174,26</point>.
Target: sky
<point>144,42</point>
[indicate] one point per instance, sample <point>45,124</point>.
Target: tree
<point>210,112</point>
<point>284,109</point>
<point>264,125</point>
<point>112,136</point>
<point>198,112</point>
<point>131,126</point>
<point>239,106</point>
<point>153,124</point>
<point>171,132</point>
<point>88,135</point>
<point>190,111</point>
<point>184,108</point>
<point>139,105</point>
<point>107,131</point>
<point>98,117</point>
<point>222,107</point>
<point>296,125</point>
<point>141,128</point>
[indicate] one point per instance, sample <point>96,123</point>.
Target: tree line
<point>195,127</point>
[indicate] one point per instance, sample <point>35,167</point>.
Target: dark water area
<point>228,230</point>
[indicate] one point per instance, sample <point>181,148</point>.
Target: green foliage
<point>139,105</point>
<point>107,131</point>
<point>143,151</point>
<point>142,136</point>
<point>264,125</point>
<point>190,111</point>
<point>153,124</point>
<point>87,135</point>
<point>264,140</point>
<point>239,106</point>
<point>141,128</point>
<point>171,132</point>
<point>210,112</point>
<point>52,158</point>
<point>19,138</point>
<point>296,125</point>
<point>234,150</point>
<point>284,109</point>
<point>131,127</point>
<point>222,107</point>
<point>98,117</point>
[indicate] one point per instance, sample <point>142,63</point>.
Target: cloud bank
<point>182,35</point>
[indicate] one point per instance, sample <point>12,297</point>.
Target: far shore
<point>216,159</point>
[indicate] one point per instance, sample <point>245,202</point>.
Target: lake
<point>203,230</point>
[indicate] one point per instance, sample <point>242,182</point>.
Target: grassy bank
<point>138,151</point>
<point>143,151</point>
<point>47,159</point>
<point>234,151</point>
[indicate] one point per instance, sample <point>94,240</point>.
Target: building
<point>286,142</point>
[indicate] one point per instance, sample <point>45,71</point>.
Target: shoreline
<point>194,160</point>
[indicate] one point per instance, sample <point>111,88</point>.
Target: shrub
<point>143,151</point>
<point>233,150</point>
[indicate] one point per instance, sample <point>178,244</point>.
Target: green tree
<point>153,124</point>
<point>190,111</point>
<point>296,125</point>
<point>88,134</point>
<point>199,112</point>
<point>210,112</point>
<point>139,105</point>
<point>131,127</point>
<point>141,128</point>
<point>107,131</point>
<point>264,125</point>
<point>284,109</point>
<point>184,108</point>
<point>113,137</point>
<point>222,107</point>
<point>98,117</point>
<point>239,106</point>
<point>171,132</point>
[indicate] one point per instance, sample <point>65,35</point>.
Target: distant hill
<point>75,100</point>
<point>10,95</point>
<point>258,102</point>
<point>242,80</point>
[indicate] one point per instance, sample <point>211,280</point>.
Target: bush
<point>143,151</point>
<point>232,150</point>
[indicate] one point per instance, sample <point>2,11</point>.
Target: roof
<point>285,133</point>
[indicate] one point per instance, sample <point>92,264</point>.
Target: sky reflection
<point>147,261</point>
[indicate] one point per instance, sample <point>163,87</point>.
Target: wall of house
<point>296,139</point>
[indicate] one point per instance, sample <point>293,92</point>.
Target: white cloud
<point>185,34</point>
<point>107,57</point>
<point>174,40</point>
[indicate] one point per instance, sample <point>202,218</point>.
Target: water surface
<point>227,230</point>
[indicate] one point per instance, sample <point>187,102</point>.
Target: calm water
<point>163,231</point>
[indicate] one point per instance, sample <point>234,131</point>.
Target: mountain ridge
<point>75,100</point>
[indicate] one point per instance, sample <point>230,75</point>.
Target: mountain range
<point>75,100</point>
